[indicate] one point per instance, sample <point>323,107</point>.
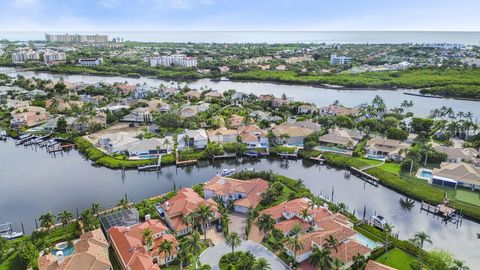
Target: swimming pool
<point>333,150</point>
<point>423,173</point>
<point>375,157</point>
<point>366,241</point>
<point>426,174</point>
<point>69,250</point>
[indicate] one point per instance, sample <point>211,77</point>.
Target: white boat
<point>3,133</point>
<point>7,232</point>
<point>378,221</point>
<point>226,172</point>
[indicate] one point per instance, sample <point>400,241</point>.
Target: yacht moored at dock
<point>6,231</point>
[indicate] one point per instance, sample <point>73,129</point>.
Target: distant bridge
<point>16,70</point>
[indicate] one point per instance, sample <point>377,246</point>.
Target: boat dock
<point>364,176</point>
<point>318,159</point>
<point>24,138</point>
<point>226,155</point>
<point>447,213</point>
<point>151,167</point>
<point>287,155</point>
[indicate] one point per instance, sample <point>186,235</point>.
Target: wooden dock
<point>318,159</point>
<point>226,155</point>
<point>447,213</point>
<point>186,163</point>
<point>364,176</point>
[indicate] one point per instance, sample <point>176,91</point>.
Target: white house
<point>192,138</point>
<point>222,135</point>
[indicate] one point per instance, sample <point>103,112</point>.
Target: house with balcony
<point>382,148</point>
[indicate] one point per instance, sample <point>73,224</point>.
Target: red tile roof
<point>183,203</point>
<point>222,186</point>
<point>128,244</point>
<point>287,225</point>
<point>293,206</point>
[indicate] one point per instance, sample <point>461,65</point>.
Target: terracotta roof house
<point>253,136</point>
<point>386,148</point>
<point>91,253</point>
<point>373,265</point>
<point>304,124</point>
<point>126,89</point>
<point>278,102</point>
<point>292,136</point>
<point>183,203</point>
<point>29,117</point>
<point>237,121</point>
<point>456,174</point>
<point>132,253</point>
<point>222,135</point>
<point>245,194</point>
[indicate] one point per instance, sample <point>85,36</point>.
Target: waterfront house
<point>453,175</point>
<point>132,253</point>
<point>340,138</point>
<point>386,148</point>
<point>253,136</point>
<point>306,109</point>
<point>90,253</point>
<point>192,138</point>
<point>335,110</point>
<point>28,117</point>
<point>244,194</point>
<point>185,202</point>
<point>168,92</point>
<point>222,135</point>
<point>141,91</point>
<point>149,147</point>
<point>193,94</point>
<point>278,102</point>
<point>290,135</point>
<point>213,95</point>
<point>117,142</point>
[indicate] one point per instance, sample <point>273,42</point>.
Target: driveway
<point>238,222</point>
<point>212,255</point>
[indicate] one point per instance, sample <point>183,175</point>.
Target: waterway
<point>34,182</point>
<point>318,95</point>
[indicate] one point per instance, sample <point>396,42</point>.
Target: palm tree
<point>123,203</point>
<point>358,262</point>
<point>388,230</point>
<point>194,246</point>
<point>166,248</point>
<point>65,217</point>
<point>147,238</point>
<point>294,242</point>
<point>47,220</point>
<point>88,220</point>
<point>336,264</point>
<point>422,237</point>
<point>96,208</point>
<point>233,240</point>
<point>190,219</point>
<point>261,264</point>
<point>204,213</point>
<point>305,214</point>
<point>331,242</point>
<point>265,223</point>
<point>459,265</point>
<point>320,258</point>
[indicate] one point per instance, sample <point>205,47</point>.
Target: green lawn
<point>398,259</point>
<point>466,196</point>
<point>12,263</point>
<point>391,167</point>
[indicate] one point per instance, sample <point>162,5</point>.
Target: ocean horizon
<point>272,37</point>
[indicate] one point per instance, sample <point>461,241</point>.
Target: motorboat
<point>379,221</point>
<point>6,232</point>
<point>226,172</point>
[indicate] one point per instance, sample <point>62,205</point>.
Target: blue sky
<point>321,15</point>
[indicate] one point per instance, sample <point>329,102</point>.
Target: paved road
<point>212,255</point>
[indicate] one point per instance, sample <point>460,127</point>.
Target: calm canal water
<point>319,96</point>
<point>34,182</point>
